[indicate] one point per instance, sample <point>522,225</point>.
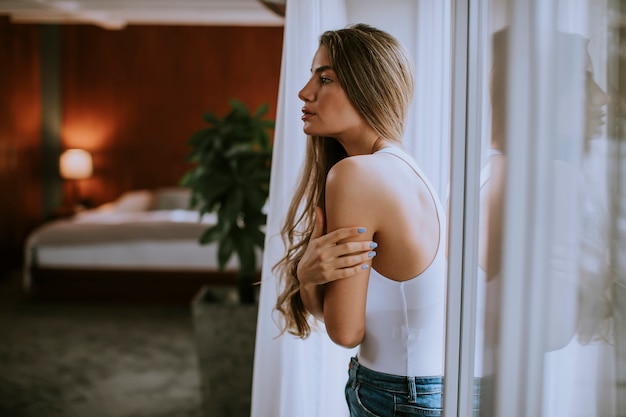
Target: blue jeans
<point>375,394</point>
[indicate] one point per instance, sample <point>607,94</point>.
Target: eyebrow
<point>322,68</point>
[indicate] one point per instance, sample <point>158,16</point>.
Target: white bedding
<point>103,226</point>
<point>141,254</point>
<point>109,238</point>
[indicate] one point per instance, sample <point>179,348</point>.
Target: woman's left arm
<point>347,204</point>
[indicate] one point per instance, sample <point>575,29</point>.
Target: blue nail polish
<point>361,229</point>
<point>373,245</point>
<point>365,266</point>
<point>371,254</point>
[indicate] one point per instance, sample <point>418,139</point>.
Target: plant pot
<point>225,332</point>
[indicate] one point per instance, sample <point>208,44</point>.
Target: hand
<point>325,260</point>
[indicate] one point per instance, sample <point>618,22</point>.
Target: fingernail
<point>361,229</point>
<point>365,266</point>
<point>373,245</point>
<point>371,254</point>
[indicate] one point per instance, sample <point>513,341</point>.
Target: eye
<point>325,80</point>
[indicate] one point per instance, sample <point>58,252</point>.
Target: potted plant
<point>230,177</point>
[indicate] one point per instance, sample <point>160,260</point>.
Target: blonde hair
<point>377,75</point>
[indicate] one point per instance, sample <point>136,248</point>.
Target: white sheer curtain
<point>617,187</point>
<point>579,378</point>
<point>306,378</point>
<point>423,27</point>
<point>554,354</point>
<point>294,377</point>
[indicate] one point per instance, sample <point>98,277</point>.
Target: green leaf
<point>187,179</point>
<point>260,176</point>
<point>225,251</point>
<point>247,258</point>
<point>257,236</point>
<point>268,124</point>
<point>229,173</point>
<point>255,220</point>
<point>261,110</point>
<point>255,197</point>
<point>197,138</point>
<point>211,118</point>
<point>239,108</point>
<point>212,234</point>
<point>232,206</point>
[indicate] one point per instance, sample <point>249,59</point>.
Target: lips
<point>306,113</point>
<point>595,121</point>
<point>596,116</point>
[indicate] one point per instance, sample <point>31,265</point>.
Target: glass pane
<point>615,24</point>
<point>552,212</point>
<point>493,44</point>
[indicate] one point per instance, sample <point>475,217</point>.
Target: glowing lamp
<point>76,164</point>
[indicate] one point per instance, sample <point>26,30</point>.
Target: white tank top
<point>405,321</point>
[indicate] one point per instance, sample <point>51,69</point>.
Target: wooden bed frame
<point>123,286</point>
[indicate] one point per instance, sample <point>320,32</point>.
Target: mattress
<point>110,240</point>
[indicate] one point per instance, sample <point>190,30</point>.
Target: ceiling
<point>116,14</point>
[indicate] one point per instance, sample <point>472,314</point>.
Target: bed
<point>145,242</point>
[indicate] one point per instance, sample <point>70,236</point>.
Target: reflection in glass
<point>579,280</point>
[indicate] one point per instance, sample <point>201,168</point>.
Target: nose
<point>597,96</point>
<point>306,93</point>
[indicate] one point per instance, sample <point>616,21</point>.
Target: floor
<point>95,360</point>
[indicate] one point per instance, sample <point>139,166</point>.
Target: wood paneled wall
<point>131,97</point>
<point>20,133</point>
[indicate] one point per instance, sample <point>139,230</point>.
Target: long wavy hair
<point>377,75</point>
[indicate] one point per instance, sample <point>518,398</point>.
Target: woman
<point>389,302</point>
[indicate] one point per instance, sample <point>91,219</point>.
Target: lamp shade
<point>75,164</point>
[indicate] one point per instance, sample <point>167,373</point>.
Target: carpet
<point>75,360</point>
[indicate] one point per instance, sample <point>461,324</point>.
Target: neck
<point>378,144</point>
<point>362,146</point>
<point>360,140</point>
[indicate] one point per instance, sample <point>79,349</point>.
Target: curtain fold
<point>294,377</point>
<point>554,348</point>
<point>569,373</point>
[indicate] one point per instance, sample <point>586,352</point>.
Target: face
<point>596,100</point>
<point>327,110</point>
<point>581,106</point>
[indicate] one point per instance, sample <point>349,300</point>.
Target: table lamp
<point>76,165</point>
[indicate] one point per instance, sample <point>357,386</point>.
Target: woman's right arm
<point>325,260</point>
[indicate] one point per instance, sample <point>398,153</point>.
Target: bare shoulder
<point>354,171</point>
<point>352,191</point>
<point>359,191</point>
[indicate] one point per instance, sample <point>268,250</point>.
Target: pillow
<point>173,198</point>
<point>134,201</point>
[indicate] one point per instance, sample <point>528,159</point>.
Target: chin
<point>594,131</point>
<point>307,130</point>
<point>312,132</point>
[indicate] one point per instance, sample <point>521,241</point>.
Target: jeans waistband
<point>409,385</point>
